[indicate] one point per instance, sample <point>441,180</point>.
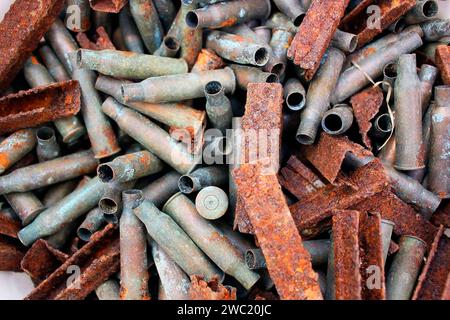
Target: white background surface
<point>17,285</point>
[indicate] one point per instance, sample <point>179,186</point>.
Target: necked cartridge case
<point>148,23</point>
<point>133,252</point>
<point>128,65</point>
<point>169,47</point>
<point>218,106</point>
<point>174,241</point>
<point>63,213</point>
<point>111,201</point>
<point>254,259</point>
<point>151,136</point>
<point>439,162</point>
<point>47,173</point>
<point>264,34</point>
<point>26,205</point>
<point>405,267</point>
<point>58,191</point>
<point>319,95</point>
<point>293,9</point>
<point>247,74</point>
<point>211,203</point>
<point>129,31</point>
<point>47,146</point>
<point>408,115</point>
<point>344,41</point>
<point>280,42</point>
<point>15,147</point>
<point>337,120</point>
<point>237,48</point>
<point>52,63</point>
<point>92,223</point>
<point>382,126</point>
<point>160,190</point>
<point>202,177</point>
<point>188,86</point>
<point>210,239</point>
<point>225,14</point>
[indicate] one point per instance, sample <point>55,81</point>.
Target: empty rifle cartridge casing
<point>434,30</point>
<point>174,241</point>
<point>387,227</point>
<point>408,107</point>
<point>160,190</point>
<point>218,106</point>
<point>225,14</point>
<point>92,223</point>
<point>294,94</point>
<point>58,191</point>
<point>237,48</point>
<point>210,239</point>
<point>148,23</point>
<point>389,75</point>
<point>189,86</point>
<point>254,259</point>
<point>26,206</point>
<point>129,167</point>
<point>382,126</point>
<point>47,173</point>
<point>319,94</point>
<point>337,120</point>
<point>398,26</point>
<point>207,60</point>
<point>202,177</point>
<point>151,136</point>
<point>405,267</point>
<point>293,9</point>
<point>279,43</point>
<point>439,162</point>
<point>47,146</point>
<point>133,252</point>
<point>247,74</point>
<point>78,15</point>
<point>111,201</point>
<point>129,31</point>
<point>344,41</point>
<point>245,31</point>
<point>424,10</point>
<point>166,11</point>
<point>15,147</point>
<point>168,48</point>
<point>52,63</point>
<point>63,213</point>
<point>127,65</point>
<point>264,34</point>
<point>211,203</point>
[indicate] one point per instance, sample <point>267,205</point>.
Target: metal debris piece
<point>8,225</point>
<point>211,290</point>
<point>102,40</point>
<point>207,60</point>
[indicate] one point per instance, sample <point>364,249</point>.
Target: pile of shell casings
<point>245,149</point>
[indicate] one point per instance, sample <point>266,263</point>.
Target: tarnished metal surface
<point>147,21</point>
<point>442,215</point>
<point>11,253</point>
<point>315,33</point>
<point>366,105</point>
<point>207,60</point>
<point>16,47</point>
<point>443,62</point>
<point>39,105</point>
<point>113,6</point>
<point>15,147</point>
<point>102,40</point>
<point>247,74</point>
<point>211,290</point>
<point>287,260</point>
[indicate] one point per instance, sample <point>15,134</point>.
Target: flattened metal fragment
<point>211,290</point>
<point>102,40</point>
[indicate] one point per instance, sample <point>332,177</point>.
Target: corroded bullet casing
<point>127,65</point>
<point>133,252</point>
<point>318,95</point>
<point>202,177</point>
<point>423,11</point>
<point>63,213</point>
<point>78,15</point>
<point>439,162</point>
<point>169,48</point>
<point>245,31</point>
<point>211,203</point>
<point>294,94</point>
<point>389,75</point>
<point>344,41</point>
<point>225,14</point>
<point>26,206</point>
<point>218,106</point>
<point>15,147</point>
<point>402,275</point>
<point>337,120</point>
<point>427,77</point>
<point>210,239</point>
<point>47,146</point>
<point>434,30</point>
<point>293,9</point>
<point>254,259</point>
<point>92,223</point>
<point>382,126</point>
<point>174,241</point>
<point>160,190</point>
<point>264,34</point>
<point>280,41</point>
<point>147,21</point>
<point>52,63</point>
<point>207,60</point>
<point>247,74</point>
<point>408,118</point>
<point>111,201</point>
<point>237,48</point>
<point>129,31</point>
<point>151,136</point>
<point>58,191</point>
<point>189,86</point>
<point>47,173</point>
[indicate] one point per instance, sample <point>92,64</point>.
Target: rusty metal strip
<point>11,253</point>
<point>41,260</point>
<point>211,290</point>
<point>315,33</point>
<point>360,8</point>
<point>390,11</point>
<point>21,31</point>
<point>288,262</point>
<point>443,62</point>
<point>263,111</point>
<point>347,262</point>
<point>8,226</point>
<point>407,220</point>
<point>112,6</point>
<point>31,108</point>
<point>434,282</point>
<point>366,105</point>
<point>102,40</point>
<point>329,152</point>
<point>97,260</point>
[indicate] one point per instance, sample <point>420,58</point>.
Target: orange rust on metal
<point>31,108</point>
<point>346,255</point>
<point>207,60</point>
<point>21,31</point>
<point>298,179</point>
<point>442,214</point>
<point>328,154</point>
<point>358,22</point>
<point>112,6</point>
<point>363,183</point>
<point>393,248</point>
<point>102,40</point>
<point>407,220</point>
<point>11,253</point>
<point>29,159</point>
<point>434,282</point>
<point>8,226</point>
<point>366,105</point>
<point>288,262</point>
<point>41,260</point>
<point>211,290</point>
<point>443,62</point>
<point>98,260</point>
<point>315,33</point>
